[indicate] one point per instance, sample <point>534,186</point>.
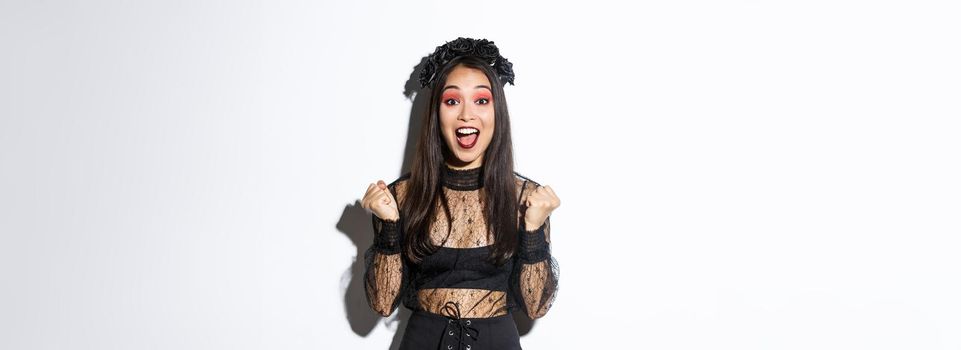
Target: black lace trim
<point>464,179</point>
<point>533,245</point>
<point>387,238</point>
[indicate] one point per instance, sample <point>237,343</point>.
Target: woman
<point>462,239</point>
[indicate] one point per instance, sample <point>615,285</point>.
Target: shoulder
<point>524,184</point>
<point>521,179</point>
<point>400,180</point>
<point>399,185</point>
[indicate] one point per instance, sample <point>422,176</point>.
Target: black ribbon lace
<point>459,327</point>
<point>464,179</point>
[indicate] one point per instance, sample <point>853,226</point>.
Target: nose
<point>467,113</point>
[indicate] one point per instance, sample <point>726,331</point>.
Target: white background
<point>734,175</point>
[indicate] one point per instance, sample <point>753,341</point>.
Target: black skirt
<point>427,330</point>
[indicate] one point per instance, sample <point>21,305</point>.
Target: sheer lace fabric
<point>457,272</point>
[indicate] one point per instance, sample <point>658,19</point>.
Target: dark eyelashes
<point>447,101</point>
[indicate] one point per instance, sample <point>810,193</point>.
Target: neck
<point>464,178</point>
<point>460,165</point>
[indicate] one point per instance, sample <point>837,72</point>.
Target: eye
<point>486,101</point>
<point>449,100</point>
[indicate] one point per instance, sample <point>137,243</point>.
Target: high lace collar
<point>464,179</point>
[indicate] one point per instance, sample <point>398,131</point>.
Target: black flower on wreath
<point>481,48</point>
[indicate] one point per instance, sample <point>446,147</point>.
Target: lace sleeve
<point>386,272</point>
<point>536,271</point>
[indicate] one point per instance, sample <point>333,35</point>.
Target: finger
<point>375,193</point>
<point>370,189</point>
<point>540,194</point>
<point>381,184</point>
<point>532,194</point>
<point>556,201</point>
<point>379,195</point>
<point>367,196</point>
<point>534,200</point>
<point>550,190</point>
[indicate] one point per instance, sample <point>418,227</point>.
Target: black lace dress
<point>455,290</point>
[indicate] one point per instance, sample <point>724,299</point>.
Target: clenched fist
<point>540,203</point>
<point>381,202</point>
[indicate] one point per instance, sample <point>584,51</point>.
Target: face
<point>467,116</point>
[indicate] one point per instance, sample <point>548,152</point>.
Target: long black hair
<point>499,193</point>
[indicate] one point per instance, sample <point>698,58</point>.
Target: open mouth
<point>467,137</point>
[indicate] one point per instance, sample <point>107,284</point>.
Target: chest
<point>467,226</point>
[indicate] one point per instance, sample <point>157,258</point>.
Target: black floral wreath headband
<point>481,48</point>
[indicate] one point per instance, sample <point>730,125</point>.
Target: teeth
<point>467,131</point>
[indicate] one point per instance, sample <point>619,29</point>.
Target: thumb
<point>389,195</point>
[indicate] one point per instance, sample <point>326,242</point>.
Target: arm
<point>536,271</point>
<point>538,277</point>
<point>385,275</point>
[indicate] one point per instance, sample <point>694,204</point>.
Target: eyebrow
<point>455,87</point>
